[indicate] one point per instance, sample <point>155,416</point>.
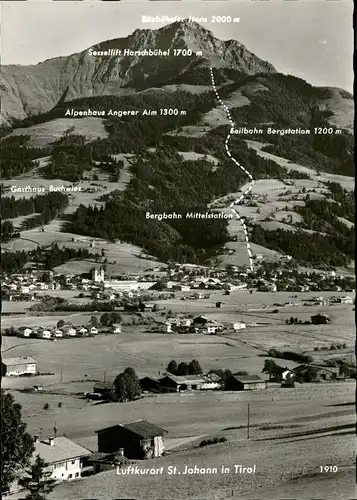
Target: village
<point>282,275</point>
<point>186,332</point>
<point>49,291</point>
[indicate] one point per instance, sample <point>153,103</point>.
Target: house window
<point>76,474</point>
<point>69,476</point>
<point>73,462</point>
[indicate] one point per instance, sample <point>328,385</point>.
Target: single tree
<point>115,317</point>
<point>105,319</point>
<point>37,484</point>
<point>94,321</point>
<point>17,444</point>
<point>183,369</point>
<point>127,385</point>
<point>121,388</point>
<point>194,368</point>
<point>270,367</point>
<point>310,375</point>
<point>133,384</point>
<point>172,367</point>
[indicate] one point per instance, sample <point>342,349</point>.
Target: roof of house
<point>213,323</point>
<point>142,428</point>
<point>149,377</point>
<point>303,367</point>
<point>185,379</point>
<point>99,456</point>
<point>104,385</point>
<point>201,317</point>
<point>18,361</point>
<point>246,379</point>
<point>62,449</point>
<point>212,377</point>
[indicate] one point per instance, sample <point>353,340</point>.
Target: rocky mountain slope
<point>29,90</point>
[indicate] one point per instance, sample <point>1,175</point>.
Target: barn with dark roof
<point>139,439</point>
<point>245,382</point>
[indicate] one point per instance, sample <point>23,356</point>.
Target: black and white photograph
<point>177,250</point>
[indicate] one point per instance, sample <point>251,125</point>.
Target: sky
<point>309,39</point>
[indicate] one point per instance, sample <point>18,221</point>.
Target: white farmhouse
<point>345,300</point>
<point>239,326</point>
<point>46,334</point>
<point>71,332</point>
<point>63,456</point>
<point>212,381</point>
<point>25,331</point>
<point>20,366</point>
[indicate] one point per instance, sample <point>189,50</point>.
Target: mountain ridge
<point>33,89</point>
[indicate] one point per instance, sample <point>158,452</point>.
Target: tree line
<point>307,249</point>
<point>12,262</point>
<point>13,206</point>
<point>17,156</point>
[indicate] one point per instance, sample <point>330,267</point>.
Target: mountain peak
<point>83,75</point>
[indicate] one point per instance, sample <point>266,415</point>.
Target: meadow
<point>149,352</point>
<point>292,432</point>
<point>44,134</point>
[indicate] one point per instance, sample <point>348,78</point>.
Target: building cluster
<point>203,382</point>
<point>326,301</point>
<point>170,383</point>
<point>267,278</point>
<point>25,287</point>
<point>182,278</point>
<point>67,330</point>
<point>288,376</point>
<point>30,284</point>
<point>200,324</point>
<point>118,446</point>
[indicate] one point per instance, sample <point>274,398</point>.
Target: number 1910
<point>328,468</point>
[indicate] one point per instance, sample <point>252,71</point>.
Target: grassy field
<point>292,433</point>
<point>148,352</point>
<point>189,415</point>
<point>343,115</point>
<point>272,197</point>
<point>274,466</point>
<point>345,181</point>
<point>44,134</point>
<point>274,203</point>
<point>122,257</point>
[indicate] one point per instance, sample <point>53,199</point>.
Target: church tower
<point>98,275</point>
